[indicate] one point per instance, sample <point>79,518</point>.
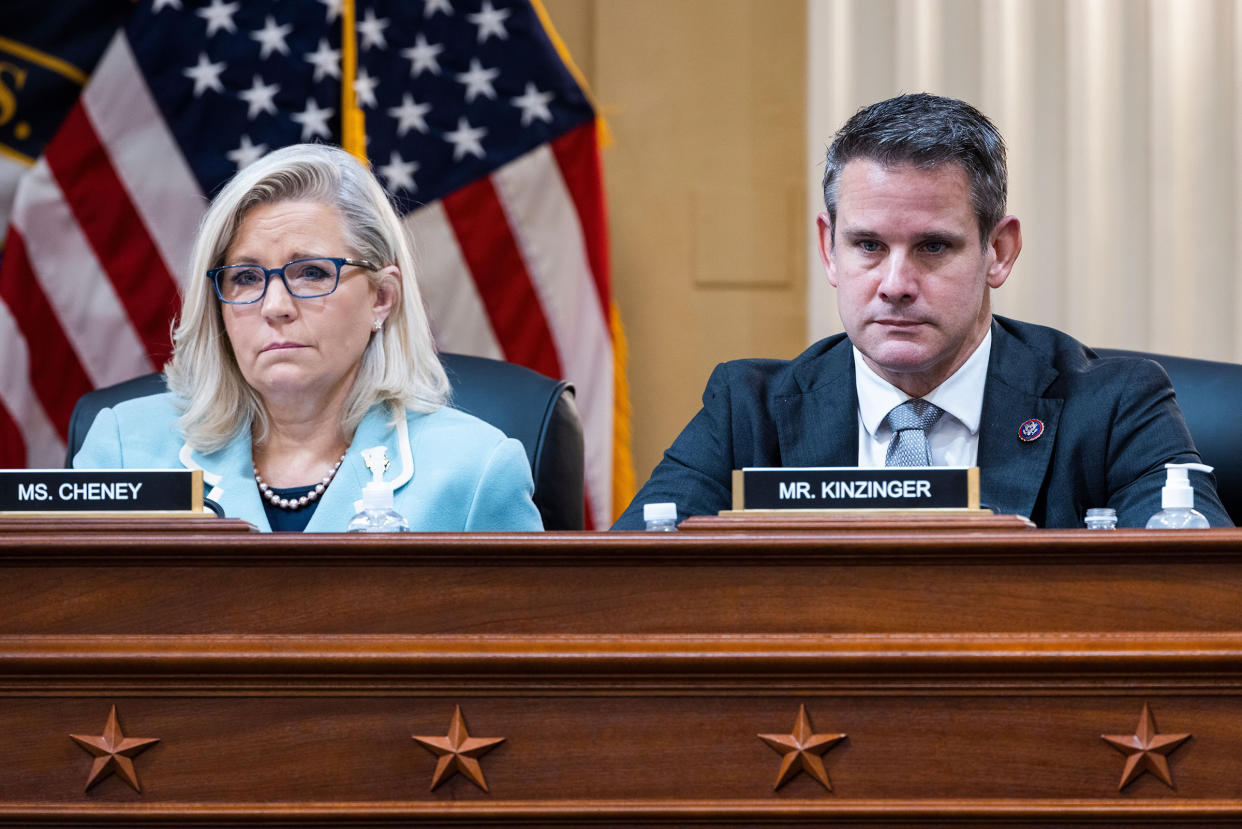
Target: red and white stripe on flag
<point>99,227</point>
<point>512,266</point>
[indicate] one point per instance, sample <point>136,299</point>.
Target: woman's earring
<point>377,324</point>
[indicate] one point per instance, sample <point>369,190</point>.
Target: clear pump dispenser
<point>1177,500</point>
<point>378,514</point>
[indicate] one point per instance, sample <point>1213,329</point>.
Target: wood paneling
<point>630,675</point>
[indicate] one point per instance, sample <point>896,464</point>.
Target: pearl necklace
<point>295,503</point>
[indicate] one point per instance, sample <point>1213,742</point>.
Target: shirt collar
<point>960,396</point>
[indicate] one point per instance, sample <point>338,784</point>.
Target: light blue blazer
<point>449,470</point>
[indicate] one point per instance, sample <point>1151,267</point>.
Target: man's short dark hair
<point>926,131</point>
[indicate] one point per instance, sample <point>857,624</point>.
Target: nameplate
<point>851,488</point>
<point>101,491</point>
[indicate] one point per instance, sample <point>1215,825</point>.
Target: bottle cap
<point>377,495</point>
<point>1177,492</point>
<point>666,511</point>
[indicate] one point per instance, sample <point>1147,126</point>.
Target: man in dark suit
<point>914,239</point>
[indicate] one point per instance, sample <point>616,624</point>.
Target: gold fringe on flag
<point>353,123</point>
<point>601,126</point>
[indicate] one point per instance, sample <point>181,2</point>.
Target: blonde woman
<point>302,345</point>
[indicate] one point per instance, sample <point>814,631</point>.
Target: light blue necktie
<point>910,422</point>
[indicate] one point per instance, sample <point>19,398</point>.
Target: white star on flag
<point>161,4</point>
<point>326,60</point>
<point>219,15</point>
<point>205,74</point>
<point>247,153</point>
<point>491,21</point>
<point>314,120</point>
<point>364,88</point>
<point>332,9</point>
<point>372,31</point>
<point>272,38</point>
<point>434,6</point>
<point>422,56</point>
<point>466,139</point>
<point>534,104</point>
<point>399,174</point>
<point>410,115</point>
<point>478,80</point>
<point>261,97</point>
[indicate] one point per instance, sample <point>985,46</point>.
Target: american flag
<point>473,122</point>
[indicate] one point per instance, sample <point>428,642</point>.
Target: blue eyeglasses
<point>303,278</point>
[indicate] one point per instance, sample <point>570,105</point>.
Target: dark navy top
<point>290,520</point>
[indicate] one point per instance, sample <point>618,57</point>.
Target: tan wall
<point>707,180</point>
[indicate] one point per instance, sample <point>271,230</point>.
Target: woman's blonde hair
<point>399,366</point>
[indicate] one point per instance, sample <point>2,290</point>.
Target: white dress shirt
<point>954,439</point>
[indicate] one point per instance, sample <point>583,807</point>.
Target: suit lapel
<point>1013,471</point>
<point>342,500</point>
<point>235,491</point>
<point>237,494</point>
<point>817,425</point>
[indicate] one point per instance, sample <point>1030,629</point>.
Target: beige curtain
<point>1124,127</point>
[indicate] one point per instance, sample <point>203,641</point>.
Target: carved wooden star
<point>113,752</point>
<point>802,750</point>
<point>458,751</point>
<point>1145,750</point>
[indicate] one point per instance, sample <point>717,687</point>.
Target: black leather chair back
<point>536,410</point>
<point>1210,396</point>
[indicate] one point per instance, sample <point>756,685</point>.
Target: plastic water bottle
<point>1178,501</point>
<point>1101,518</point>
<point>378,514</point>
<point>660,518</point>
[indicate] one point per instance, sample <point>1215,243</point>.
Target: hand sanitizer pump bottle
<point>378,515</point>
<point>1178,500</point>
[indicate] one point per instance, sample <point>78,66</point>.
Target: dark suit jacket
<point>1110,426</point>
